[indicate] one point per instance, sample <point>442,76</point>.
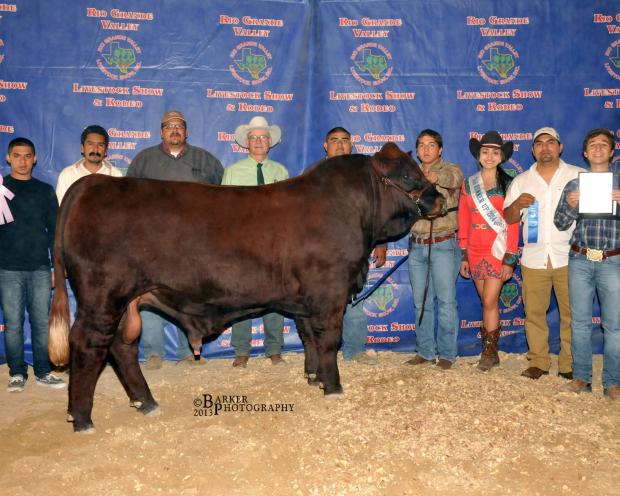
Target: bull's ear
<point>410,153</point>
<point>389,151</point>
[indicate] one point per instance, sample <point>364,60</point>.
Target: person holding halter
<point>488,244</point>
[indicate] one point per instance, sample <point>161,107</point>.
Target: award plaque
<point>595,193</point>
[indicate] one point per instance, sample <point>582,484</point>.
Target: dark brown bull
<point>210,255</point>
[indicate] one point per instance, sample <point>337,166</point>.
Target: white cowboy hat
<point>257,122</point>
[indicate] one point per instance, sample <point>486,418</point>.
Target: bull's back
<point>188,234</point>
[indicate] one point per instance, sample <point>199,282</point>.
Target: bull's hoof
<point>83,427</point>
<point>154,412</point>
<point>149,409</point>
<point>90,430</point>
<point>312,379</point>
<point>334,396</point>
<point>333,391</point>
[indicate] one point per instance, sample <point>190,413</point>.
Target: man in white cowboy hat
<point>532,198</point>
<point>174,159</point>
<point>255,170</point>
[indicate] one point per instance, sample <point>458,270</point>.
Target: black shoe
<point>566,375</point>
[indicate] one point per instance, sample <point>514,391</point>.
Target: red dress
<point>477,236</point>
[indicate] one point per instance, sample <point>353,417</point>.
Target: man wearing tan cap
<point>255,170</point>
<point>533,198</point>
<point>174,159</point>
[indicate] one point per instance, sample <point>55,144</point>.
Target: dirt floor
<point>399,430</point>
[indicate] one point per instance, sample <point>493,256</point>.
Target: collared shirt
<point>77,170</point>
<point>599,233</point>
<point>243,172</point>
<point>552,244</point>
<point>449,181</point>
<point>194,164</point>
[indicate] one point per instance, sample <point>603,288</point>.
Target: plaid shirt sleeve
<point>565,215</point>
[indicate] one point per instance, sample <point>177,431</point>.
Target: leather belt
<point>430,241</point>
<point>595,255</point>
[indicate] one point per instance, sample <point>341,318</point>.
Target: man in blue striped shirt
<point>594,265</point>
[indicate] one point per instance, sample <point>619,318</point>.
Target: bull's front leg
<point>328,335</point>
<point>127,368</point>
<point>87,361</point>
<point>311,355</point>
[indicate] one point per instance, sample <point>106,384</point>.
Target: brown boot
<point>489,357</point>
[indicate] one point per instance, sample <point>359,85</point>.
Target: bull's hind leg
<point>125,364</point>
<point>311,362</point>
<point>327,334</point>
<point>89,351</point>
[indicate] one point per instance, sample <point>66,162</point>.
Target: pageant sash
<point>490,214</point>
<point>5,211</point>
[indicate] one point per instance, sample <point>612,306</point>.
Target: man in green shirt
<point>255,170</point>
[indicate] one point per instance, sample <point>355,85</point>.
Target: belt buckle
<point>594,255</point>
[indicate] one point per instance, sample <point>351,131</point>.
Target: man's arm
<point>512,213</point>
<point>62,185</point>
<point>136,166</point>
<point>450,177</point>
<point>516,201</point>
<point>567,210</point>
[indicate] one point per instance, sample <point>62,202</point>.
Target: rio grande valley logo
<point>498,62</point>
<point>372,64</point>
<point>510,295</point>
<point>118,57</point>
<point>612,63</point>
<point>516,167</point>
<point>383,301</point>
<point>250,63</point>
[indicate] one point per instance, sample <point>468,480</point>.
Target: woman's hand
<point>464,271</point>
<point>506,272</point>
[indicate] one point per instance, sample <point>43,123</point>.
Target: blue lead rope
<point>372,289</point>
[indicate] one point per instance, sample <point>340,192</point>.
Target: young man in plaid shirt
<point>594,265</point>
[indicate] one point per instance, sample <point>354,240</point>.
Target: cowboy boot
<point>489,357</point>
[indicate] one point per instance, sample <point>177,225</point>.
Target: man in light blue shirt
<point>255,170</point>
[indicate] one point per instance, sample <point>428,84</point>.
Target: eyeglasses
<point>262,137</point>
<point>173,126</point>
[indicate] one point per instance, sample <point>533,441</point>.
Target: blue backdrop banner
<point>383,69</point>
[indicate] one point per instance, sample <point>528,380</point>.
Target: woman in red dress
<point>489,246</point>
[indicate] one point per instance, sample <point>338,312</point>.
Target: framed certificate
<point>595,192</point>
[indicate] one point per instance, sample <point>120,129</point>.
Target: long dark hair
<point>503,179</point>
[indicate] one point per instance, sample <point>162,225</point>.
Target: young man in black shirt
<point>26,240</point>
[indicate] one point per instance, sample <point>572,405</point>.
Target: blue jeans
<point>445,264</point>
<point>20,291</point>
<point>241,337</point>
<point>584,277</point>
<point>153,335</point>
<point>354,331</point>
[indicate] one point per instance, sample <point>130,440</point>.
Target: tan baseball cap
<point>172,114</point>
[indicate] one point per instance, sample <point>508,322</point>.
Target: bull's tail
<point>58,343</point>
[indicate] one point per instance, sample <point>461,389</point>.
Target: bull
<point>210,255</point>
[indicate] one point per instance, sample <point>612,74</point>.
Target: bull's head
<point>400,174</point>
